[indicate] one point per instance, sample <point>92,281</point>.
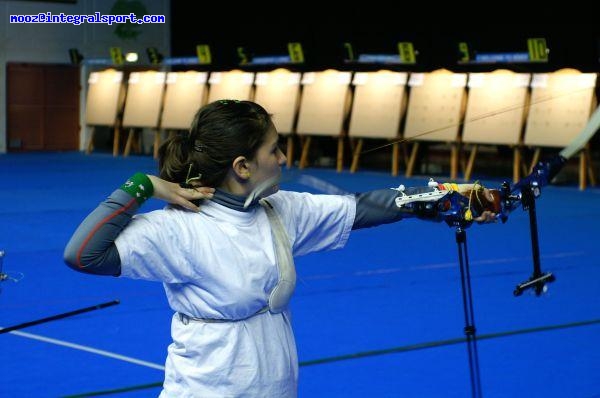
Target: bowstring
<point>329,188</point>
<point>316,184</point>
<point>475,118</point>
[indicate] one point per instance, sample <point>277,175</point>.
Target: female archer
<point>223,248</point>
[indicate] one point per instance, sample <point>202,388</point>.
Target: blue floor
<point>381,318</point>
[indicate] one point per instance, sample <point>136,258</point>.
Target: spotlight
<point>131,57</point>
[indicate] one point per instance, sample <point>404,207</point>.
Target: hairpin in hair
<point>189,179</point>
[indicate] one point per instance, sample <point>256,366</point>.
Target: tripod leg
<point>470,332</point>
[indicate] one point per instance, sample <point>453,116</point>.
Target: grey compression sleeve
<point>92,247</point>
<point>379,207</point>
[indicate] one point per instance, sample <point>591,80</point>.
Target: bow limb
<point>584,136</point>
<point>544,172</point>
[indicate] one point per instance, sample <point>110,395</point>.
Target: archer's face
<point>267,163</point>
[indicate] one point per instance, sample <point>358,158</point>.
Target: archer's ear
<point>240,167</point>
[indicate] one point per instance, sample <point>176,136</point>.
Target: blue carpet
<point>381,318</point>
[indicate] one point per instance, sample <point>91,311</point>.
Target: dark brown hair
<point>220,132</point>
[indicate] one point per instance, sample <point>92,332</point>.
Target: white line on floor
<point>88,349</point>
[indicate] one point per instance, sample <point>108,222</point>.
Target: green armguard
<point>139,187</point>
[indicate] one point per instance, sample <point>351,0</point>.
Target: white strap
<point>281,294</point>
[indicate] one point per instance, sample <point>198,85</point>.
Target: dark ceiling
<point>228,26</point>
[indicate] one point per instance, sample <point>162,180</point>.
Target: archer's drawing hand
<point>488,202</point>
<point>173,193</point>
<point>486,217</point>
<point>491,204</point>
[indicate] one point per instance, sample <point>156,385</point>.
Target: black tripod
<point>529,191</point>
<point>470,331</point>
<point>8,329</point>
